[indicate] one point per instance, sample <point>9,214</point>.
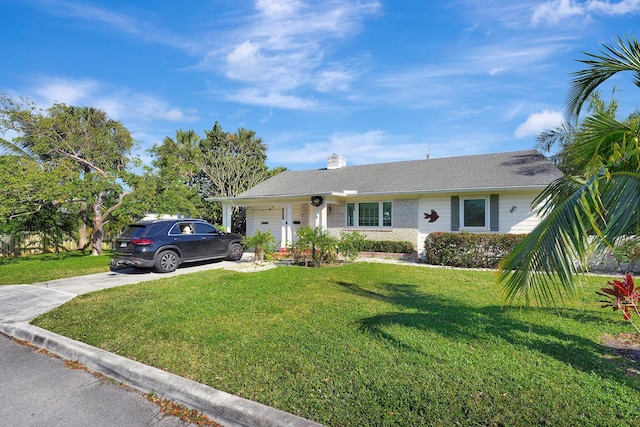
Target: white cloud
<point>381,146</point>
<point>271,99</point>
<point>608,8</point>
<point>66,91</point>
<point>83,11</point>
<point>278,7</point>
<point>283,45</point>
<point>555,11</point>
<point>334,80</point>
<point>244,57</point>
<point>537,123</point>
<point>140,27</point>
<point>367,147</point>
<point>119,104</point>
<point>149,107</point>
<point>286,46</point>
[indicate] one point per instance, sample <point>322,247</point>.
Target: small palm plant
<point>316,242</point>
<point>261,242</point>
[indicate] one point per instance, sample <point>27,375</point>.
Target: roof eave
<point>345,194</point>
<point>271,197</point>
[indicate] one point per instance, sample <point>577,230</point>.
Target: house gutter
<point>270,197</point>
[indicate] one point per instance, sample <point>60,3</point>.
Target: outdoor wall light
<point>513,208</point>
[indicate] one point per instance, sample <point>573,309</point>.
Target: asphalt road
<point>39,390</point>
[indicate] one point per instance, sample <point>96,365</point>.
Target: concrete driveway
<point>36,379</point>
<point>22,303</point>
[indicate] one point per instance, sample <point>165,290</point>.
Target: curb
<point>219,406</point>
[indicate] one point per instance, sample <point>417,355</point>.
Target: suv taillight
<point>141,242</point>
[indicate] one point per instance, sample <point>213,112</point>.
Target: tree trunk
<point>98,223</point>
<point>83,241</point>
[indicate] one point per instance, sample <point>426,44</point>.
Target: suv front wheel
<point>235,252</point>
<point>167,261</point>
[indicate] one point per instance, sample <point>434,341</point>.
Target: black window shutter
<point>494,213</point>
<point>455,213</point>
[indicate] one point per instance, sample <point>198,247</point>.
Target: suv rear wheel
<point>167,261</point>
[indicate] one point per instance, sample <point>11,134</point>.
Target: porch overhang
<point>337,196</point>
<point>276,198</point>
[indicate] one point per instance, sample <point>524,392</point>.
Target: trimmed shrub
<point>389,246</point>
<point>469,250</point>
<point>350,244</point>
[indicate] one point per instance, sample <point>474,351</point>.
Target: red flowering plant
<point>623,296</point>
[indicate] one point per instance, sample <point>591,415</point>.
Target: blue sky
<point>372,80</point>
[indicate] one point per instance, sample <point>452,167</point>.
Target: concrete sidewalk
<point>21,303</point>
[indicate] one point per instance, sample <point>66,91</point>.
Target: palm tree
<point>596,206</point>
<point>564,135</point>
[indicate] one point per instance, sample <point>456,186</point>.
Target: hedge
<point>469,250</point>
<point>388,246</point>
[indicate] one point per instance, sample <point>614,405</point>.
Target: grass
<point>370,344</point>
<point>42,268</point>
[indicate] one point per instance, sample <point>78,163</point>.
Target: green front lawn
<point>370,345</point>
<point>42,268</point>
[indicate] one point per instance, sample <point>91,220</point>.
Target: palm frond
<point>14,148</point>
<point>620,195</point>
<point>545,262</point>
<point>598,142</point>
<point>623,56</point>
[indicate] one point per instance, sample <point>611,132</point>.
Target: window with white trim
<point>369,214</point>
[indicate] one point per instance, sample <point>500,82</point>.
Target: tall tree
<point>232,163</point>
<point>566,134</point>
<point>28,187</point>
<point>189,169</point>
<point>96,145</point>
<point>176,175</point>
<point>595,207</point>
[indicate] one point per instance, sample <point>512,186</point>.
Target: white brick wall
<point>404,220</point>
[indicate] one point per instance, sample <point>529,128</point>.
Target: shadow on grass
<point>149,270</point>
<point>454,319</point>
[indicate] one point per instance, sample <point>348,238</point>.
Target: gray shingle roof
<point>520,169</point>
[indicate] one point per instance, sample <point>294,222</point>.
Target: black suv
<point>167,243</point>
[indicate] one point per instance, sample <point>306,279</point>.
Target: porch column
<point>226,217</point>
<point>289,224</point>
<point>321,216</point>
<point>286,233</point>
